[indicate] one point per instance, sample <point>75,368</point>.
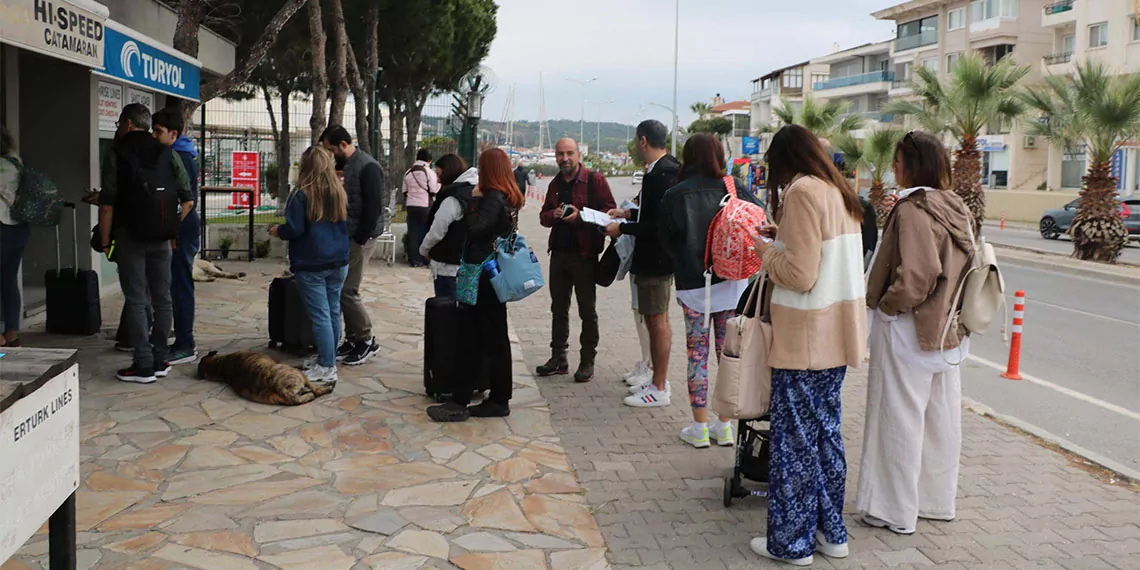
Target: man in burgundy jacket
<point>574,248</point>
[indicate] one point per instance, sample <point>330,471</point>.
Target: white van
<point>637,176</point>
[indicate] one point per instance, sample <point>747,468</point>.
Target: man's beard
<point>340,160</point>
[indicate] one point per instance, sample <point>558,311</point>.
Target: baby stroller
<point>752,450</point>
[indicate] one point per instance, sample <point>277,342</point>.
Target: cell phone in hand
<point>567,209</point>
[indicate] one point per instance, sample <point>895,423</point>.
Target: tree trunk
<point>360,99</point>
<point>320,74</point>
<point>250,59</point>
<point>371,67</point>
<point>285,153</point>
<point>339,72</point>
<point>878,198</point>
<point>1098,232</point>
<point>967,179</point>
<point>414,117</point>
<point>397,165</point>
<point>190,16</point>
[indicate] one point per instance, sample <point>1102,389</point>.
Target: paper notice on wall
<point>110,105</point>
<point>144,97</point>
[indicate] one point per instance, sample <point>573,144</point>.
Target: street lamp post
<point>582,122</point>
<point>598,121</point>
<point>676,51</point>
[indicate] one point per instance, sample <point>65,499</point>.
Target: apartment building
<point>861,77</point>
<point>935,33</point>
<point>787,86</point>
<point>1107,31</point>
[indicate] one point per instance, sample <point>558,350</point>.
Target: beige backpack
<point>980,293</point>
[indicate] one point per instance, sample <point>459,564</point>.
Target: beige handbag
<point>744,380</point>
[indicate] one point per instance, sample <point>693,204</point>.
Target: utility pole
<point>676,51</point>
<point>582,121</point>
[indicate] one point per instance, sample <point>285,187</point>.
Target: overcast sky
<point>628,46</point>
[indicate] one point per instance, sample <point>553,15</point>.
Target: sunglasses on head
<point>913,142</point>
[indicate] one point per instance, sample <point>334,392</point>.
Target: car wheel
<point>1049,228</point>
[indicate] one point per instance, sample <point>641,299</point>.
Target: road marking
<point>1085,313</point>
<point>1066,391</point>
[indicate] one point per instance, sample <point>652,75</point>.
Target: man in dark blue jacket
<point>168,128</point>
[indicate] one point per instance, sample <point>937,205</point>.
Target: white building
<point>783,87</point>
<point>860,77</point>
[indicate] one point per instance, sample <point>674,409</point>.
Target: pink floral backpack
<point>729,252</point>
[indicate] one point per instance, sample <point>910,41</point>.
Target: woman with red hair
<point>492,213</point>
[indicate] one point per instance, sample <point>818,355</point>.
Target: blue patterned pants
<point>807,466</point>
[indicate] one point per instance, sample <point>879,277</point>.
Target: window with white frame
<point>931,63</point>
<point>956,19</point>
<point>1068,43</point>
<point>986,9</point>
<point>952,60</point>
<point>1098,35</point>
<point>1135,19</point>
<point>793,78</point>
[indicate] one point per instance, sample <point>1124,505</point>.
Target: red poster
<point>246,173</point>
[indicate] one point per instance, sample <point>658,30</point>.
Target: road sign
<point>751,145</point>
<point>245,173</point>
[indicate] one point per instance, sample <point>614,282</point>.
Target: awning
<point>134,58</point>
<point>71,30</point>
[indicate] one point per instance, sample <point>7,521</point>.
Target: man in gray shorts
<point>652,268</point>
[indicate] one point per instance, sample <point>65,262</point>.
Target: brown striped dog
<point>259,378</point>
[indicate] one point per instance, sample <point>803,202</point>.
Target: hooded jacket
<point>189,230</point>
<point>444,240</point>
<point>923,255</point>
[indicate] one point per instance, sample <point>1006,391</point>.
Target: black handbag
<point>608,266</point>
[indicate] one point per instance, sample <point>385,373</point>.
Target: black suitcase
<point>442,335</point>
<point>72,294</point>
<point>289,326</point>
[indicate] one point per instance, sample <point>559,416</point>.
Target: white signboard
<point>110,105</point>
<point>39,458</point>
<point>144,97</point>
<point>55,28</point>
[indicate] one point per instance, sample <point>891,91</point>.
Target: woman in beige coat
<point>913,434</point>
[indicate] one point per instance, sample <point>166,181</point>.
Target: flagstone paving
<point>185,474</point>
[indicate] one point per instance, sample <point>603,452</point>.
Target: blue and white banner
<point>145,63</point>
<point>1119,170</point>
<point>751,146</point>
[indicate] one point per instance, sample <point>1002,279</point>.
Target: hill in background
<point>614,135</point>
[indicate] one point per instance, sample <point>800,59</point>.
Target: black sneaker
<point>183,356</point>
<point>362,352</point>
<point>162,370</point>
<point>489,409</point>
<point>136,375</point>
<point>553,367</point>
<point>344,350</point>
<point>449,412</point>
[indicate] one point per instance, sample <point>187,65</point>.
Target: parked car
<point>637,176</point>
<point>1057,222</point>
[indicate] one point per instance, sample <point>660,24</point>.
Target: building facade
<point>783,87</point>
<point>861,78</point>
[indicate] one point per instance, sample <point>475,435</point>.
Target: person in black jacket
<point>870,230</point>
<point>492,213</point>
<point>652,268</point>
<point>443,244</point>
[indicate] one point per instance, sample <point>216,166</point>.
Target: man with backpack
<point>421,184</point>
<point>143,187</point>
<point>364,185</point>
<point>574,248</point>
<point>652,268</point>
<point>168,127</point>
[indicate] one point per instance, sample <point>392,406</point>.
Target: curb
<point>1121,470</point>
<point>1072,266</point>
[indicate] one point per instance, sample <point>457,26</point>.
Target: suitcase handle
<point>75,234</point>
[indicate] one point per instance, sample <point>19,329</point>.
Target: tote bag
<point>744,379</point>
<point>520,274</point>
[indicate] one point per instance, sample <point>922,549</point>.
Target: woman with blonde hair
<point>317,230</point>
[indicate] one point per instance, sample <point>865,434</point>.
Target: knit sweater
<point>819,317</point>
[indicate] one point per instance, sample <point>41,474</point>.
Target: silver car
<point>1058,221</point>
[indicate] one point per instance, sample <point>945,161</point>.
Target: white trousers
<point>912,438</point>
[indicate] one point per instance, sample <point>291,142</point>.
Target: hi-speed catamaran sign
<point>139,60</point>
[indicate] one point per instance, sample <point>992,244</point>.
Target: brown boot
<point>585,372</point>
<point>556,366</point>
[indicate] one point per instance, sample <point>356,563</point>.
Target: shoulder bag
<point>744,379</point>
<point>520,274</point>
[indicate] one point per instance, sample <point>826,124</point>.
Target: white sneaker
<point>722,433</point>
<point>638,369</point>
<point>641,387</point>
<point>829,550</point>
<point>760,546</point>
<point>318,373</point>
<point>651,397</point>
<point>640,380</point>
<point>880,523</point>
<point>696,437</point>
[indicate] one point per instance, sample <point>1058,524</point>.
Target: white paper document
<point>597,217</point>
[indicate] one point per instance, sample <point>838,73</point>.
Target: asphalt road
<point>1081,345</point>
<point>1031,238</point>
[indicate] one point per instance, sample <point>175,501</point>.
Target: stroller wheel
<point>728,485</point>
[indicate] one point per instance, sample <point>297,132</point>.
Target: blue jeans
<point>182,288</point>
<point>444,286</point>
<point>320,290</point>
<point>807,467</point>
<point>417,229</point>
<point>13,240</point>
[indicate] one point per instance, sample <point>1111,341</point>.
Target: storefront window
<point>1072,169</point>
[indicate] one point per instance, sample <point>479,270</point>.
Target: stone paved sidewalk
<point>659,501</point>
<point>185,474</point>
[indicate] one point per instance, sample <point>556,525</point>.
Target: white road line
<point>1066,391</point>
<point>1079,312</point>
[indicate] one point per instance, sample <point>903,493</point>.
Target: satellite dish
<point>481,79</point>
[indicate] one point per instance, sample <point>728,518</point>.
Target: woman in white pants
<point>913,434</point>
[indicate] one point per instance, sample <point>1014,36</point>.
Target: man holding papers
<point>652,267</point>
<point>574,248</point>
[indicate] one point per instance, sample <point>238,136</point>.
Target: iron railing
<point>1058,7</point>
<point>1058,58</point>
<point>917,40</point>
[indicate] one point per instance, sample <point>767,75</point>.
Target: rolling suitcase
<point>72,294</point>
<point>442,335</point>
<point>289,326</point>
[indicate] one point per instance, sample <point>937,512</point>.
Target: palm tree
<point>876,154</point>
<point>974,96</point>
<point>824,120</point>
<point>1100,111</point>
<point>701,109</point>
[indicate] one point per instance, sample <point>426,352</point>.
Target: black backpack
<point>148,195</point>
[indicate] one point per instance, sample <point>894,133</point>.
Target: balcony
<point>916,41</point>
<point>1057,64</point>
<point>853,80</point>
<point>1059,14</point>
<point>1058,58</point>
